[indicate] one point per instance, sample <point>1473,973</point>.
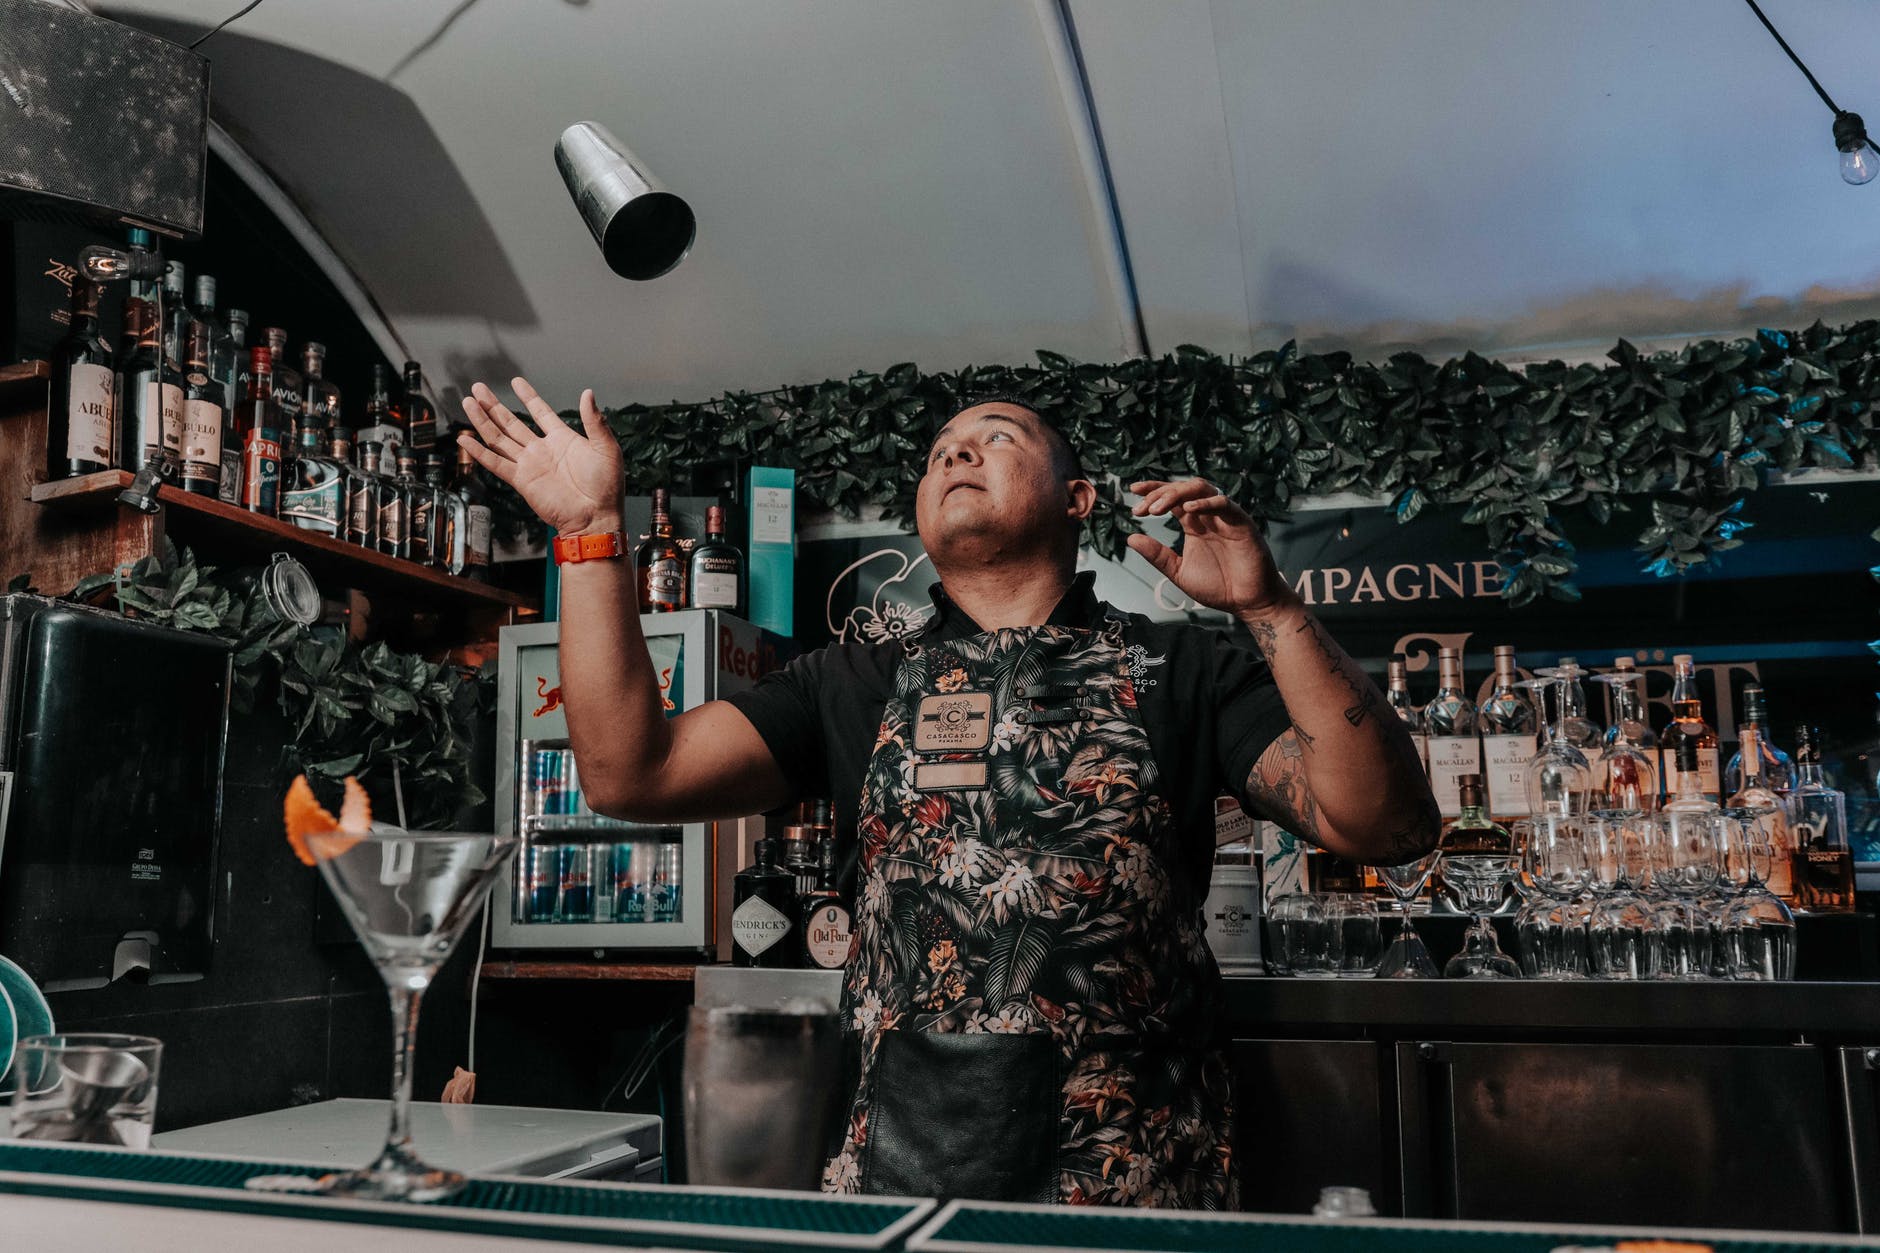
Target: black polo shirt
<point>1206,699</point>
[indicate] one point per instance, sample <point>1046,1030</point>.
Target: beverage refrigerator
<point>584,881</point>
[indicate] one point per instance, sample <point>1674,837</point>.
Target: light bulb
<point>1860,165</point>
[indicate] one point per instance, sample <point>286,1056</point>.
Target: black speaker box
<point>99,123</point>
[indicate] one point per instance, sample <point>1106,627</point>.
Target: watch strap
<point>592,547</point>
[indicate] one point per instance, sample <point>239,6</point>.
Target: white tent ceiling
<point>889,180</point>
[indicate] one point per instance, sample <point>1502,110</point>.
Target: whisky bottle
<point>1778,772</point>
<point>311,500</point>
<point>660,563</point>
<point>362,524</point>
<point>764,913</point>
<point>381,422</point>
<point>1824,868</point>
<point>420,418</point>
<point>231,348</point>
<point>717,570</point>
<point>1397,696</point>
<point>1757,802</point>
<point>258,422</point>
<point>1451,721</point>
<point>1474,847</point>
<point>423,513</point>
<point>826,930</point>
<point>290,390</point>
<point>394,521</point>
<point>339,450</point>
<point>475,528</point>
<point>1509,729</point>
<point>321,397</point>
<point>1687,723</point>
<point>80,434</point>
<point>204,412</point>
<point>150,399</point>
<point>409,490</point>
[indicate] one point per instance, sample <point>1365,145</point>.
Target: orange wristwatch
<point>572,548</point>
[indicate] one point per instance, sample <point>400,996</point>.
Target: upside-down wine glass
<point>1757,928</point>
<point>1627,778</point>
<point>1551,928</point>
<point>1407,957</point>
<point>1558,776</point>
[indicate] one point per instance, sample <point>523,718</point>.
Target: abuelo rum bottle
<point>79,430</point>
<point>660,562</point>
<point>764,928</point>
<point>150,396</point>
<point>203,405</point>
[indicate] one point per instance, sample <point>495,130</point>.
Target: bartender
<point>1029,780</point>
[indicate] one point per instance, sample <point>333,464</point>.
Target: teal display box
<point>770,497</point>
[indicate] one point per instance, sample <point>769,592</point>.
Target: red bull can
<point>600,859</point>
<point>570,784</point>
<point>545,780</point>
<point>577,888</point>
<point>668,884</point>
<point>629,892</point>
<point>538,883</point>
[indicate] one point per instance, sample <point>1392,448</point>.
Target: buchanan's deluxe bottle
<point>1508,726</point>
<point>1451,722</point>
<point>763,913</point>
<point>258,422</point>
<point>420,418</point>
<point>716,576</point>
<point>476,517</point>
<point>80,436</point>
<point>1687,723</point>
<point>1397,696</point>
<point>312,499</point>
<point>826,929</point>
<point>660,562</point>
<point>150,396</point>
<point>204,413</point>
<point>1824,868</point>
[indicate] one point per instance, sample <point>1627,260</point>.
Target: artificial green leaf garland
<point>1682,438</point>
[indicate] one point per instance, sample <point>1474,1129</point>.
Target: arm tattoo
<point>1279,790</point>
<point>1265,636</point>
<point>1363,691</point>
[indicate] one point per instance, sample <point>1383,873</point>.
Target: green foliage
<point>1685,436</point>
<point>355,710</point>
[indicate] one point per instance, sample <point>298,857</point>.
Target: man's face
<point>992,485</point>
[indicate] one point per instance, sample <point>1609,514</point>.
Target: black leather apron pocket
<point>964,1116</point>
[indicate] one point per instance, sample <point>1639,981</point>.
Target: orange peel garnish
<point>314,833</point>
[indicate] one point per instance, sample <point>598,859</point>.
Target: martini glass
<point>409,896</point>
<point>1407,958</point>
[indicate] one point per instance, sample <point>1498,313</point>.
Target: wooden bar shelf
<point>329,559</point>
<point>584,971</point>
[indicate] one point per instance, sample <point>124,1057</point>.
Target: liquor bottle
<point>394,521</point>
<point>362,524</point>
<point>258,422</point>
<point>176,314</point>
<point>716,575</point>
<point>440,521</point>
<point>231,348</point>
<point>1471,834</point>
<point>290,390</point>
<point>80,435</point>
<point>764,913</point>
<point>1397,696</point>
<point>1450,720</point>
<point>409,490</point>
<point>796,856</point>
<point>1509,728</point>
<point>420,418</point>
<point>339,450</point>
<point>475,525</point>
<point>1778,773</point>
<point>381,422</point>
<point>424,512</point>
<point>1328,872</point>
<point>312,499</point>
<point>150,399</point>
<point>660,563</point>
<point>1824,868</point>
<point>1757,798</point>
<point>321,402</point>
<point>826,930</point>
<point>205,410</point>
<point>1687,723</point>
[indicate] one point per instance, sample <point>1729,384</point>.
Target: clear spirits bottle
<point>1824,868</point>
<point>394,521</point>
<point>409,490</point>
<point>231,348</point>
<point>1397,696</point>
<point>1778,772</point>
<point>441,531</point>
<point>322,411</point>
<point>204,412</point>
<point>368,496</point>
<point>1509,737</point>
<point>1687,723</point>
<point>313,498</point>
<point>1451,721</point>
<point>351,484</point>
<point>1757,802</point>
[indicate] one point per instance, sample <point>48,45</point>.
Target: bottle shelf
<point>584,971</point>
<point>329,559</point>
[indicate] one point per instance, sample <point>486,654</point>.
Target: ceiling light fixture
<point>1860,160</point>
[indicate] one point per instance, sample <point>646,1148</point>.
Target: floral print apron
<point>1021,877</point>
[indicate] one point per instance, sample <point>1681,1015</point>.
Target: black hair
<point>1068,461</point>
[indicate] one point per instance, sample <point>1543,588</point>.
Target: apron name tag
<point>956,722</point>
<point>950,776</point>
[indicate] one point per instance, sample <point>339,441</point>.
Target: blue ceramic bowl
<point>23,1012</point>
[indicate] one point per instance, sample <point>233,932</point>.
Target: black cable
<point>1777,35</point>
<point>252,3</point>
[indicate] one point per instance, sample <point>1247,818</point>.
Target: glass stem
<point>404,1045</point>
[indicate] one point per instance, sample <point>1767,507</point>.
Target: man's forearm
<point>609,691</point>
<point>1367,786</point>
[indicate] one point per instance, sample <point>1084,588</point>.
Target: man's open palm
<point>572,482</point>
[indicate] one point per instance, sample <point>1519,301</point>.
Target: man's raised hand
<point>572,482</point>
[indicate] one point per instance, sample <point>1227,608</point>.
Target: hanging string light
<point>1860,160</point>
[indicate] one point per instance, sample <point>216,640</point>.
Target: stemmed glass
<point>1558,776</point>
<point>1687,859</point>
<point>1757,928</point>
<point>409,896</point>
<point>1620,925</point>
<point>1407,958</point>
<point>1551,927</point>
<point>1480,873</point>
<point>1628,780</point>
